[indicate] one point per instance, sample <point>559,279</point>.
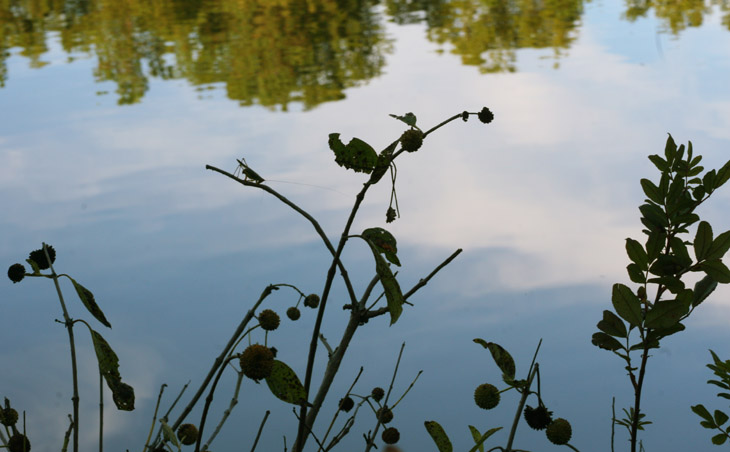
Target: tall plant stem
<point>69,327</point>
<point>637,397</point>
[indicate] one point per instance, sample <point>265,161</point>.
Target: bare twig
<point>261,428</point>
<point>227,412</point>
<point>154,417</point>
<point>337,412</point>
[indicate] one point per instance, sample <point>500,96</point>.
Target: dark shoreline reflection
<point>294,51</point>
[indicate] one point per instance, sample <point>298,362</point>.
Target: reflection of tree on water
<point>275,52</point>
<point>266,52</point>
<point>486,33</point>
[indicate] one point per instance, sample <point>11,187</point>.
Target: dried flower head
<point>39,257</point>
<point>16,272</point>
<point>257,361</point>
<point>187,434</point>
<point>269,320</point>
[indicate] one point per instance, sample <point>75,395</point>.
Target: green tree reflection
<point>677,15</point>
<point>487,33</point>
<point>261,51</point>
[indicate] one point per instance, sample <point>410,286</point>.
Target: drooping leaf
<point>719,246</point>
<point>665,313</point>
<point>703,240</point>
<point>383,162</point>
<point>612,325</point>
<point>606,342</point>
<point>409,118</point>
<point>659,162</point>
<point>384,242</point>
<point>666,265</point>
<point>501,357</point>
<point>87,298</point>
<point>439,436</point>
<point>122,393</point>
<point>679,248</point>
<point>717,270</point>
<point>285,385</point>
<point>626,304</point>
<point>654,336</point>
<point>169,434</point>
<point>393,294</point>
<point>637,253</point>
<point>357,155</point>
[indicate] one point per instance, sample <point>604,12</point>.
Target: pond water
<point>110,110</point>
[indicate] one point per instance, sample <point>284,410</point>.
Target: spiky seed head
<point>8,417</point>
<point>311,301</point>
<point>16,272</point>
<point>391,435</point>
<point>538,418</point>
<point>384,415</point>
<point>18,443</point>
<point>559,431</point>
<point>411,140</point>
<point>293,313</point>
<point>346,404</point>
<point>485,116</point>
<point>187,434</point>
<point>39,257</point>
<point>378,393</point>
<point>257,361</point>
<point>269,320</point>
<point>486,396</point>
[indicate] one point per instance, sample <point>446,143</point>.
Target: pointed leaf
<point>122,393</point>
<point>285,385</point>
<point>723,175</point>
<point>480,440</point>
<point>169,434</point>
<point>659,162</point>
<point>439,436</point>
<point>477,438</point>
<point>703,288</point>
<point>651,191</point>
<point>719,246</point>
<point>720,418</point>
<point>357,155</point>
<point>408,118</point>
<point>637,253</point>
<point>503,359</point>
<point>87,298</point>
<point>626,304</point>
<point>703,240</point>
<point>384,242</point>
<point>665,314</point>
<point>717,270</point>
<point>654,215</point>
<point>393,294</point>
<point>606,342</point>
<point>655,244</point>
<point>635,273</point>
<point>612,325</point>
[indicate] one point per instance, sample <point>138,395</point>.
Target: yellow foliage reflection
<point>278,52</point>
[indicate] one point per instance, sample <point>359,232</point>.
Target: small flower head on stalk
<point>16,273</point>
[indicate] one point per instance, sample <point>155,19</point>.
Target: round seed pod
<point>559,431</point>
<point>346,404</point>
<point>311,301</point>
<point>486,396</point>
<point>269,320</point>
<point>378,393</point>
<point>39,257</point>
<point>485,116</point>
<point>538,418</point>
<point>18,443</point>
<point>16,273</point>
<point>293,313</point>
<point>391,435</point>
<point>187,434</point>
<point>411,140</point>
<point>384,415</point>
<point>8,417</point>
<point>257,361</point>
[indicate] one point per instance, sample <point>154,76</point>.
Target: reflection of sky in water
<point>541,200</point>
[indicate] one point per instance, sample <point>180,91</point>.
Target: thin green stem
<point>261,428</point>
<point>521,405</point>
<point>69,327</point>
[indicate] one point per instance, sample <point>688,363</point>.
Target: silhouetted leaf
<point>670,149</point>
<point>654,245</point>
<point>659,162</point>
<point>719,439</point>
<point>651,191</point>
<point>285,385</point>
<point>635,273</point>
<point>626,304</point>
<point>612,325</point>
<point>654,215</point>
<point>384,242</point>
<point>393,294</point>
<point>122,393</point>
<point>606,342</point>
<point>720,418</point>
<point>703,240</point>
<point>702,412</point>
<point>717,270</point>
<point>723,175</point>
<point>408,118</point>
<point>357,155</point>
<point>665,313</point>
<point>479,439</point>
<point>501,357</point>
<point>87,298</point>
<point>719,246</point>
<point>637,253</point>
<point>439,436</point>
<point>703,288</point>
